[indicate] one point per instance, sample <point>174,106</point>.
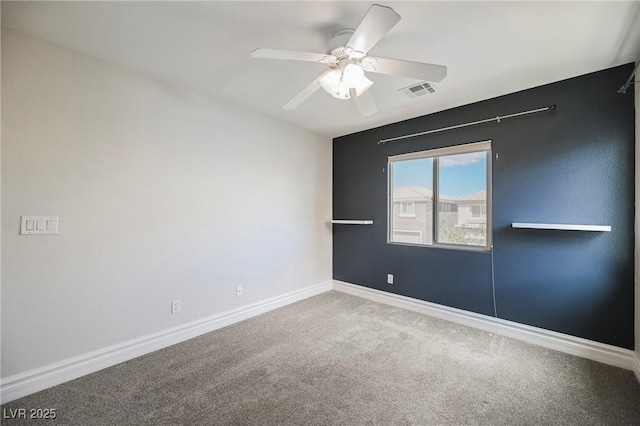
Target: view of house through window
<point>461,174</point>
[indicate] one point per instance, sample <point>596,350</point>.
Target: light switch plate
<point>38,225</point>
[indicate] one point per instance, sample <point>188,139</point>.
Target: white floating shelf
<point>562,227</point>
<point>353,222</point>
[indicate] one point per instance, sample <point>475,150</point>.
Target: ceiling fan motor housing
<point>340,39</point>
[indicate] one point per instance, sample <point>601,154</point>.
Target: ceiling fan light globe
<point>342,91</point>
<point>363,86</point>
<point>330,80</point>
<point>353,75</point>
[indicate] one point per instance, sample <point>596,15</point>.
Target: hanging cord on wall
<point>472,123</point>
<point>493,289</point>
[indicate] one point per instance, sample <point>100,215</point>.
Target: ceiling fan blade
<point>417,70</point>
<point>375,24</point>
<point>365,103</point>
<point>303,94</point>
<point>292,55</point>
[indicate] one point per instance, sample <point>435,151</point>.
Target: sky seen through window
<point>460,174</point>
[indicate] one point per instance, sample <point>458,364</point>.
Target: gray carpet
<point>336,359</point>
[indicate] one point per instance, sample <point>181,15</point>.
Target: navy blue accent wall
<point>571,165</point>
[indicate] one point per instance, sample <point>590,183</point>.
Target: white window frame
<point>435,154</point>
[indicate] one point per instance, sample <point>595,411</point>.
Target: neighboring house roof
<point>416,193</point>
<point>476,196</point>
<point>412,193</point>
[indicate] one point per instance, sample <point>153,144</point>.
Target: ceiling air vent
<point>418,90</point>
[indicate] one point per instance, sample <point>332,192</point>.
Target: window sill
<point>482,249</point>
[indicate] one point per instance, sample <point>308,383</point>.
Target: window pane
<point>463,199</point>
<point>412,195</point>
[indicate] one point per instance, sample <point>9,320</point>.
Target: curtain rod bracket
<point>630,81</point>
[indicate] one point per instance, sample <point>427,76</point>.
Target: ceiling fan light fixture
<point>330,80</point>
<point>353,75</point>
<point>363,85</point>
<point>342,92</point>
<point>333,83</point>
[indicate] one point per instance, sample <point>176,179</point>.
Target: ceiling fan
<point>348,60</point>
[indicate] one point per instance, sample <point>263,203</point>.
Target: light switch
<point>34,225</point>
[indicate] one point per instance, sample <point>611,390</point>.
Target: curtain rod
<point>472,123</point>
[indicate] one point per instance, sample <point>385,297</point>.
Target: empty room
<point>320,213</point>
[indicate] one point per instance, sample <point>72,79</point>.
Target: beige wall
<point>162,194</point>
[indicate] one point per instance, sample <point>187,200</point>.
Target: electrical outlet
<point>239,291</point>
<point>390,279</point>
<point>175,306</point>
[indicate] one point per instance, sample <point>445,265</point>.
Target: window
<point>455,179</point>
<point>479,210</point>
<point>448,207</point>
<point>407,209</point>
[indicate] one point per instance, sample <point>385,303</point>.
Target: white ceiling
<point>490,48</point>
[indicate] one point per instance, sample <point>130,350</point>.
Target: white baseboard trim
<point>607,354</point>
<point>636,365</point>
<point>35,380</point>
